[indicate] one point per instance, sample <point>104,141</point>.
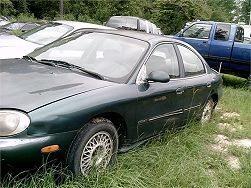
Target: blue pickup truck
<point>221,44</point>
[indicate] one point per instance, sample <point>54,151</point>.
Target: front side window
<point>222,32</point>
<point>192,63</point>
<point>47,33</point>
<point>200,31</point>
<point>164,58</point>
<point>112,56</point>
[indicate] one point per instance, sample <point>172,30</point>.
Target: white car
<point>12,46</point>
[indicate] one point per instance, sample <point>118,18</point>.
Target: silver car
<point>12,46</point>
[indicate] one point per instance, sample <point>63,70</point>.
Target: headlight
<point>12,122</point>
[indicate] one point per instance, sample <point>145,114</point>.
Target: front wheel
<point>95,148</point>
<point>207,111</point>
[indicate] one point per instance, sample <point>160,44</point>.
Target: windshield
<point>112,56</point>
<point>46,34</point>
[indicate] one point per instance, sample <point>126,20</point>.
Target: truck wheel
<point>95,148</point>
<point>207,111</point>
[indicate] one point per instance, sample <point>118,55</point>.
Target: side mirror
<point>104,23</point>
<point>158,76</point>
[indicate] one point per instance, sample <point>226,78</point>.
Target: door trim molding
<point>176,112</point>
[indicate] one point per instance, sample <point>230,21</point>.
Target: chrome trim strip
<point>192,107</point>
<point>176,112</point>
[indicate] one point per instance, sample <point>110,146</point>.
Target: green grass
<point>179,159</point>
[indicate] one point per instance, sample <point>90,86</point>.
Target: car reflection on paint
<point>81,97</point>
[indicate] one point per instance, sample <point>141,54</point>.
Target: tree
<point>172,15</point>
<point>6,7</point>
<point>245,11</point>
<point>222,10</point>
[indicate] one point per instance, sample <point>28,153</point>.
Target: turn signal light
<point>50,149</point>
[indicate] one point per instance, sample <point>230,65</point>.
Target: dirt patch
<point>246,143</point>
<point>224,126</point>
<point>234,162</point>
<point>223,141</point>
<point>221,145</point>
<point>227,115</point>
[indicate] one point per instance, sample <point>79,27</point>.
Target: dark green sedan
<point>87,96</point>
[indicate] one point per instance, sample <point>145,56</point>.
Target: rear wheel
<point>207,111</point>
<point>95,148</point>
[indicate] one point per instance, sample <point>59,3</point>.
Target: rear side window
<point>239,35</point>
<point>192,63</point>
<point>222,32</point>
<point>28,27</point>
<point>200,31</point>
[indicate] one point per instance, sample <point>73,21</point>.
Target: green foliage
<point>6,7</point>
<point>222,10</point>
<point>169,15</point>
<point>245,10</point>
<point>24,17</point>
<point>172,14</point>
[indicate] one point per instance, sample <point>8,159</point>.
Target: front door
<point>198,36</point>
<point>160,105</point>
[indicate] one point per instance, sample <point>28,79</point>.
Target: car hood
<point>12,46</point>
<point>25,85</point>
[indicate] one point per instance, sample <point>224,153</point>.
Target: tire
<point>95,147</point>
<point>207,111</point>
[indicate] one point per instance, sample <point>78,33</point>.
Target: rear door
<point>197,82</point>
<point>198,36</point>
<point>221,46</point>
<point>240,57</point>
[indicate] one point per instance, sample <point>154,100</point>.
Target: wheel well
<point>117,120</point>
<point>215,98</point>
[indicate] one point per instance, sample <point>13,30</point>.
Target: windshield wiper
<point>72,66</point>
<point>33,59</point>
<point>30,58</point>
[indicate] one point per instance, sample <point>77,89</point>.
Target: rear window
<point>123,23</point>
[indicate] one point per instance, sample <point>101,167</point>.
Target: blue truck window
<point>200,31</point>
<point>192,63</point>
<point>222,32</point>
<point>239,35</point>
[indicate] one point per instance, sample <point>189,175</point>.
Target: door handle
<point>179,91</point>
<point>204,42</point>
<point>209,84</point>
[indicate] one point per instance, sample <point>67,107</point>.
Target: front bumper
<point>27,149</point>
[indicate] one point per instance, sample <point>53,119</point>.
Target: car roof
<point>133,17</point>
<point>212,22</point>
<point>151,38</point>
<point>79,25</point>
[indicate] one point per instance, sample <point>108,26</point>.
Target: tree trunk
<point>61,8</point>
